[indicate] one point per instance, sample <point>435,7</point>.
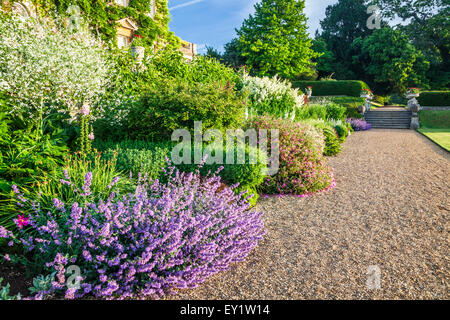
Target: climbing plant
<point>102,16</point>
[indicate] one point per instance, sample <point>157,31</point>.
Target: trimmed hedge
<point>434,118</point>
<point>333,87</point>
<point>434,98</point>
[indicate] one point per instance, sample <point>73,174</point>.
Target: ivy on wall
<point>102,16</point>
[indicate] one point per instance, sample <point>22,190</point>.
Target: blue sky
<point>212,22</point>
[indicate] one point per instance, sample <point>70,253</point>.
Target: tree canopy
<point>275,40</point>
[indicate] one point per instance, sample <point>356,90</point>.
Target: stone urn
<point>367,97</point>
<point>138,53</point>
<point>308,92</point>
<point>362,109</point>
<point>410,96</point>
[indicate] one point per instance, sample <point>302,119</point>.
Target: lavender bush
<point>359,124</point>
<point>143,244</point>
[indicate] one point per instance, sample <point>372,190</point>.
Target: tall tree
<point>275,40</point>
<point>344,22</point>
<point>390,61</point>
<point>428,26</point>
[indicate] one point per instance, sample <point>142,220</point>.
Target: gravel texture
<point>390,209</point>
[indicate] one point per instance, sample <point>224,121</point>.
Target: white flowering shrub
<point>272,96</point>
<point>45,67</point>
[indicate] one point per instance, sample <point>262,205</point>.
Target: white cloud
<point>186,4</point>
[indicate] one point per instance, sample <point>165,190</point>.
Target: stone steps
<point>388,119</point>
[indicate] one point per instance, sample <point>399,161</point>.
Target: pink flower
<point>91,136</point>
<point>85,110</point>
<point>22,222</point>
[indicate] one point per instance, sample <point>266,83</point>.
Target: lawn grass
<point>440,136</point>
<point>435,124</point>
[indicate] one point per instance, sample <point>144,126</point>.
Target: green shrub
<point>434,98</point>
<point>434,118</point>
<point>150,158</point>
<point>302,169</point>
<point>272,96</point>
<point>350,103</point>
<point>343,129</point>
<point>397,99</point>
<point>332,141</point>
<point>335,111</point>
<point>172,105</point>
<point>312,111</point>
<point>333,87</point>
<point>248,176</point>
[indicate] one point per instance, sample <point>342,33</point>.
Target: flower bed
<point>145,244</point>
<point>302,167</point>
<point>359,124</point>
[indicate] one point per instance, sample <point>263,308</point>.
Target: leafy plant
<point>145,243</point>
<point>302,168</point>
<point>4,292</point>
<point>272,96</point>
<point>359,124</point>
<point>42,284</point>
<point>172,105</point>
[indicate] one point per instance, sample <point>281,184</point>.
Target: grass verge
<point>440,136</point>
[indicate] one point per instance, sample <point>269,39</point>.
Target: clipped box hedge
<point>434,98</point>
<point>333,87</point>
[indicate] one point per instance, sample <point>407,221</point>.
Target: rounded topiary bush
<point>143,244</point>
<point>302,167</point>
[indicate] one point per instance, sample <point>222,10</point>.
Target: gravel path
<point>390,209</point>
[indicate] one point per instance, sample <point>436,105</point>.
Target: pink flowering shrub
<point>302,167</point>
<point>143,244</point>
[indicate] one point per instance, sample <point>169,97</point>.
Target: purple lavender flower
<point>146,243</point>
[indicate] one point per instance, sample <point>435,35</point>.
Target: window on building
<point>152,9</point>
<point>122,3</point>
<point>122,41</point>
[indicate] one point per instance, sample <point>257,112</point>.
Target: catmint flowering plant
<point>147,243</point>
<point>359,124</point>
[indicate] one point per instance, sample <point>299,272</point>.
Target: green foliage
<point>326,60</point>
<point>174,104</point>
<point>42,283</point>
<point>326,111</point>
<point>233,55</point>
<point>312,111</point>
<point>151,160</point>
<point>434,98</point>
<point>73,171</point>
<point>393,62</point>
<point>434,118</point>
<point>4,292</point>
<point>274,40</point>
<point>344,22</point>
<point>335,111</point>
<point>332,87</point>
<point>332,141</point>
<point>101,15</point>
<point>350,103</point>
<point>302,169</point>
<point>133,83</point>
